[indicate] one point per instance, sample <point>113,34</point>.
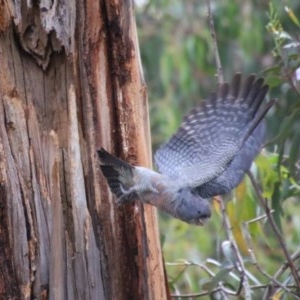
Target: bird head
<point>191,208</point>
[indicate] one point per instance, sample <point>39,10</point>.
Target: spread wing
<point>236,170</point>
<point>213,132</point>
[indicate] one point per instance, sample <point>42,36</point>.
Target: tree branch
<point>271,220</point>
<point>215,44</point>
<point>240,266</point>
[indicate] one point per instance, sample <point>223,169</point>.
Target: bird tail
<point>119,176</point>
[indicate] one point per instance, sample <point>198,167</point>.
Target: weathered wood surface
<point>70,82</point>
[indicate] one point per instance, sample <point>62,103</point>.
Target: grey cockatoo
<point>207,156</point>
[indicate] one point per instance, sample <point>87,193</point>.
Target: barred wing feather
<point>213,132</point>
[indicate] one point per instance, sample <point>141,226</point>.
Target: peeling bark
<point>70,82</point>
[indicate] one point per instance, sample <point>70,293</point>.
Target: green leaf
<point>294,154</point>
<point>292,16</point>
<point>273,81</point>
<point>220,276</point>
<point>276,205</point>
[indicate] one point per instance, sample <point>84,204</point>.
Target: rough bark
<point>70,82</point>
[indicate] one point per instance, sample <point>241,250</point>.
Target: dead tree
<point>70,82</point>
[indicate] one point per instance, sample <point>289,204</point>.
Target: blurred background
<point>177,54</point>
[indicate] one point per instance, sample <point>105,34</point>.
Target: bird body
<point>207,156</point>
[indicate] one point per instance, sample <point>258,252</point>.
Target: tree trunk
<point>70,82</point>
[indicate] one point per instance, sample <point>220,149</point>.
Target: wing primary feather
<point>214,132</point>
<point>223,91</point>
<point>235,85</point>
<point>255,89</point>
<point>212,99</point>
<point>258,119</point>
<point>259,98</point>
<point>247,86</point>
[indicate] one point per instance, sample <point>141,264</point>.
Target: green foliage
<point>177,53</point>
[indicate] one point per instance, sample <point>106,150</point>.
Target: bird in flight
<point>208,155</point>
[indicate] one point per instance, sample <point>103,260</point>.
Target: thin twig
<point>259,218</point>
<point>283,268</point>
<point>263,286</point>
<point>186,263</point>
<point>215,44</point>
<point>219,289</point>
<point>205,293</point>
<point>263,272</point>
<point>241,267</point>
<point>274,281</point>
<point>287,73</point>
<point>271,220</point>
